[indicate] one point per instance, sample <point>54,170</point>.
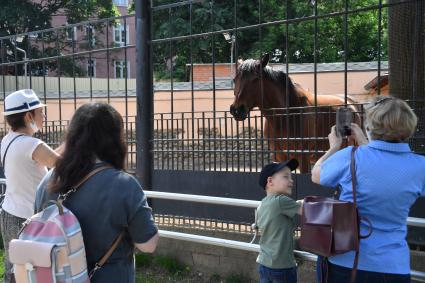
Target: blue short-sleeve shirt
<point>108,203</point>
<point>390,177</point>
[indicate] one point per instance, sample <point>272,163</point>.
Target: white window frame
<point>120,29</point>
<point>121,3</point>
<point>93,33</point>
<point>121,64</point>
<point>74,36</point>
<point>94,67</point>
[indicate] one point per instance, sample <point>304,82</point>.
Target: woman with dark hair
<point>108,203</point>
<point>25,159</point>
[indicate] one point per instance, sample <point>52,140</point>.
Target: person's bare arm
<point>60,149</point>
<point>334,145</point>
<point>150,245</point>
<point>45,155</point>
<point>335,142</point>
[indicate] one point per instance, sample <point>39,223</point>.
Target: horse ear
<point>265,60</point>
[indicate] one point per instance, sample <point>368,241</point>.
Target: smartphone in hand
<point>344,118</point>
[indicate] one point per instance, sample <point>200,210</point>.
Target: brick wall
<point>204,72</point>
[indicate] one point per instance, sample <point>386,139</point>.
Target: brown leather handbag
<point>329,226</point>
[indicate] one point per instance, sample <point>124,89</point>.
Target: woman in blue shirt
<point>389,180</point>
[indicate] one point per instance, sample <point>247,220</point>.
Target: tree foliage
<point>27,15</point>
<point>295,45</point>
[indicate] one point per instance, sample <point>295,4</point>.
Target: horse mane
<point>278,77</point>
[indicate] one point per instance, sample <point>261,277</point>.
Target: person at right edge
<point>390,177</point>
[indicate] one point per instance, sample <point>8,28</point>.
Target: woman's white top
<point>22,173</point>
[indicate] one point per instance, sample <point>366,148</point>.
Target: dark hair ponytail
<point>95,132</point>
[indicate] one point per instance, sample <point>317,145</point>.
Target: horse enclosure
<point>287,67</point>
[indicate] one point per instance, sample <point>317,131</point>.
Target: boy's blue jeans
<point>272,275</point>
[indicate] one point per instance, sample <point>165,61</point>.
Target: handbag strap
<point>354,188</point>
<point>7,148</point>
<point>353,175</point>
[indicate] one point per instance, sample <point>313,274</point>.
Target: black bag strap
<point>354,188</point>
<point>7,148</point>
<point>353,175</point>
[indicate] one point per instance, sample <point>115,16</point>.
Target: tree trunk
<point>406,52</point>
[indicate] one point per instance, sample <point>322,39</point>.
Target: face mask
<point>34,127</point>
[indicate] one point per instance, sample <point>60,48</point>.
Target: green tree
<point>27,15</point>
<point>217,15</point>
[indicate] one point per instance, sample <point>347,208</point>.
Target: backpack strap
<point>91,174</point>
<point>114,245</point>
<point>7,148</point>
<point>106,256</point>
<point>64,196</point>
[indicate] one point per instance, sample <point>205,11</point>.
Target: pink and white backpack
<point>50,247</point>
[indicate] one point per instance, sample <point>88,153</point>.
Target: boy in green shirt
<point>275,219</point>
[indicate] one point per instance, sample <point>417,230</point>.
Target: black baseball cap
<point>274,167</point>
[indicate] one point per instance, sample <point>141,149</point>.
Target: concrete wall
<point>224,261</point>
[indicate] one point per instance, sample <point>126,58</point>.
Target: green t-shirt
<point>275,219</point>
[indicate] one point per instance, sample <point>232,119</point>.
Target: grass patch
<point>171,265</point>
<point>1,264</point>
<point>231,278</point>
<point>159,269</point>
<point>237,278</point>
<point>143,260</point>
<point>215,278</point>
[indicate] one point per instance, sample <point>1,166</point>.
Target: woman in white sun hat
<point>25,160</point>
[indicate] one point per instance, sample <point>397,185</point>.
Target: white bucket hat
<point>21,101</point>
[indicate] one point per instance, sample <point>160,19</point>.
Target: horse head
<point>247,86</point>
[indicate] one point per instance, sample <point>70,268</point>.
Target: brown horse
<point>294,127</point>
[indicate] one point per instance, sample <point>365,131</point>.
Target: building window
<point>121,34</point>
<point>121,69</point>
<point>90,35</point>
<point>91,68</point>
<point>121,3</point>
<point>71,33</point>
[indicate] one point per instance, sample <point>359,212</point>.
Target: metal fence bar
<point>81,53</point>
<point>411,221</point>
<point>68,26</point>
<point>203,199</point>
<point>144,89</point>
<point>285,21</point>
<point>416,222</point>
